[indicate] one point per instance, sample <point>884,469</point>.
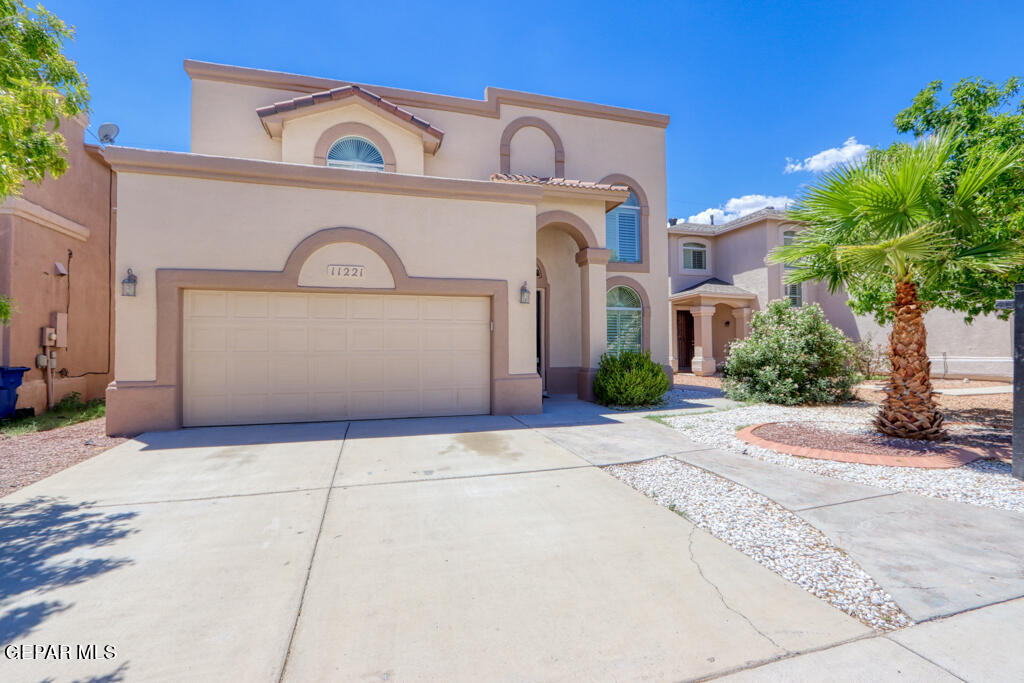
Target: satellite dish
<point>108,131</point>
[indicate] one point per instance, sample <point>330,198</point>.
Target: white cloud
<point>738,207</point>
<point>827,159</point>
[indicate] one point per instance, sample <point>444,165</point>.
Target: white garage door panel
<point>253,357</point>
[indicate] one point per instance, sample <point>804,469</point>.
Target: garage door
<point>251,357</point>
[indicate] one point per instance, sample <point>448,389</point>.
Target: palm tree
<point>901,215</point>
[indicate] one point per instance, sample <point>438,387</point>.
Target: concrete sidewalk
<point>980,645</point>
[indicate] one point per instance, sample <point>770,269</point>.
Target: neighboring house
<point>719,277</point>
<point>55,247</point>
<point>329,250</point>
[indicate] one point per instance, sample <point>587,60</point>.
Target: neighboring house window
<point>625,320</point>
<point>695,256</point>
<point>355,153</point>
<point>795,293</point>
<point>622,230</point>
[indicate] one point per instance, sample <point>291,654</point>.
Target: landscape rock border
<point>955,457</point>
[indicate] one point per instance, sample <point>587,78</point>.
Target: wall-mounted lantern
<point>524,294</point>
<point>128,284</point>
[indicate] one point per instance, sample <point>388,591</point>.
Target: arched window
<point>622,230</point>
<point>625,320</point>
<point>794,292</point>
<point>355,153</point>
<point>695,256</point>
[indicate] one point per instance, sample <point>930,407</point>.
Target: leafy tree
<point>38,86</point>
<point>903,218</point>
<point>986,120</point>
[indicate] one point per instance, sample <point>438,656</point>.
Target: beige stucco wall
<point>224,122</point>
<point>176,222</point>
<point>723,330</point>
<point>557,251</point>
<point>532,153</point>
<point>301,134</point>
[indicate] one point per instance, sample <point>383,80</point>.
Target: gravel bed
<point>767,532</point>
<point>27,458</point>
<point>986,483</point>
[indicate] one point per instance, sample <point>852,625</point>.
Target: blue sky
<point>748,84</point>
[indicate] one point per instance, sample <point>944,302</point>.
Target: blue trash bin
<point>10,380</point>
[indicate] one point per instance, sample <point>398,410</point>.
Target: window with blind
<point>795,293</point>
<point>695,256</point>
<point>355,153</point>
<point>622,230</point>
<point>625,320</point>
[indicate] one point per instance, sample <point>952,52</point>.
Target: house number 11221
<point>347,272</point>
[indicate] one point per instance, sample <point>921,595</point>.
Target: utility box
<point>59,323</point>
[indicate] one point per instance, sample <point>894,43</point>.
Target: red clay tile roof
<point>560,182</point>
<point>350,91</point>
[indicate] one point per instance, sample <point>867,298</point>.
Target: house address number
<point>346,272</point>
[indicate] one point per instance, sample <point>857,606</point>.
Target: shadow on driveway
<point>43,546</point>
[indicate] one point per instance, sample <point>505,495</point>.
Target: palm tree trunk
<point>909,410</point>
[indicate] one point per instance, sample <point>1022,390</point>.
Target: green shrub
<point>792,356</point>
<point>6,308</point>
<point>630,378</point>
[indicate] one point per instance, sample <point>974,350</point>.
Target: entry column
<point>742,316</point>
<point>703,352</point>
<point>594,322</point>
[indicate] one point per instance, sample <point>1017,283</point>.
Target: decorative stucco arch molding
<point>147,405</point>
<point>505,151</point>
<point>644,265</point>
<point>572,224</point>
<point>354,128</point>
<point>305,250</point>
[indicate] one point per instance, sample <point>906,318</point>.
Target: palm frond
<point>893,256</point>
<point>981,173</point>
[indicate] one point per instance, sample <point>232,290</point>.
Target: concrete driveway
<point>441,549</point>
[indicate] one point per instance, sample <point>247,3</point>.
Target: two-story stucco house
<point>329,250</point>
<point>719,276</point>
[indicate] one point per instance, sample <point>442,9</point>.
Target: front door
<point>684,338</point>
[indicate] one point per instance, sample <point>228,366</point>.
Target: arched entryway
<point>571,298</point>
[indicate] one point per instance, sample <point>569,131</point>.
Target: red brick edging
<point>953,458</point>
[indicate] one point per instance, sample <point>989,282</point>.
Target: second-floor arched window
<point>355,153</point>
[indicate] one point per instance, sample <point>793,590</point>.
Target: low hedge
<point>630,378</point>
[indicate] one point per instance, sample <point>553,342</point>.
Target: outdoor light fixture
<point>128,284</point>
<point>524,294</point>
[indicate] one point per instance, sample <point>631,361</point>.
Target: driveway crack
<point>721,598</point>
<point>312,556</point>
